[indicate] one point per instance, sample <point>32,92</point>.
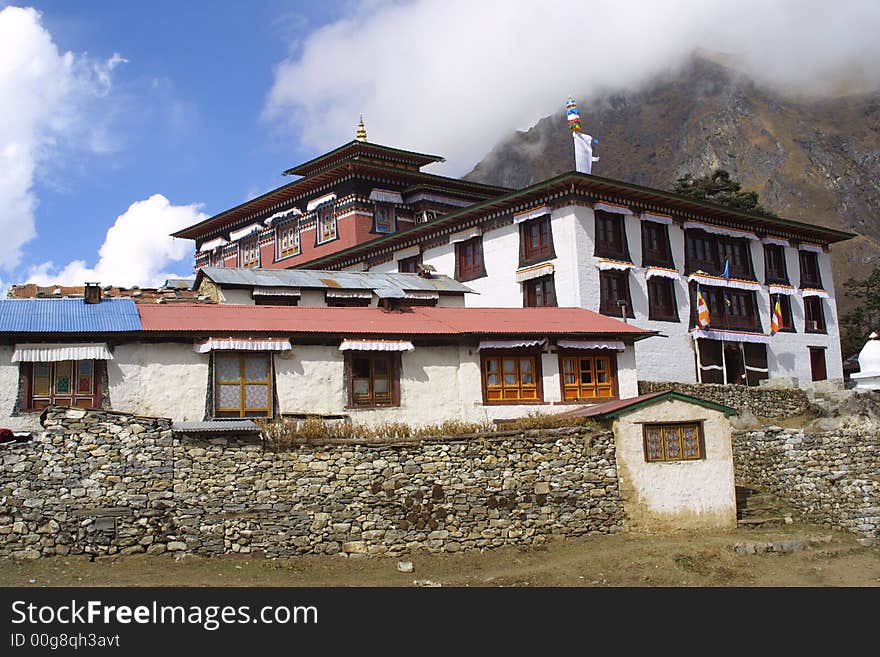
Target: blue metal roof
<point>68,316</point>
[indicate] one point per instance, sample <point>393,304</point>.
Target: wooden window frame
<point>499,354</point>
<point>282,253</point>
<point>322,212</point>
<point>610,307</point>
<point>611,222</point>
<point>35,402</point>
<point>394,358</point>
<point>403,265</point>
<point>545,250</point>
<point>659,313</point>
<point>469,262</point>
<point>243,247</point>
<point>243,411</point>
<point>821,325</point>
<point>652,257</point>
<point>679,428</point>
<point>807,279</point>
<point>775,275</point>
<point>744,271</point>
<point>593,355</point>
<point>716,298</point>
<point>393,217</point>
<point>787,316</point>
<point>530,296</point>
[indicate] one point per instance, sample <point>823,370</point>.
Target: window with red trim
<point>62,383</point>
<point>536,240</point>
<point>469,259</point>
<point>539,292</point>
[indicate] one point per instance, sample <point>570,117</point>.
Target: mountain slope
<point>816,161</point>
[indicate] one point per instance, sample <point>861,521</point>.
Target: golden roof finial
<point>361,131</point>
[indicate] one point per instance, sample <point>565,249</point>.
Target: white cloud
<point>136,251</point>
<point>455,76</point>
<point>47,103</point>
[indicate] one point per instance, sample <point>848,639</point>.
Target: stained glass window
<point>680,441</point>
<point>65,383</point>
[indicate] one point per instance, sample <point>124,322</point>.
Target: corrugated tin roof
<point>319,278</point>
<point>68,316</point>
<point>287,320</point>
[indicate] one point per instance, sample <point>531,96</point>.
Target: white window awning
<point>321,200</point>
<point>616,345</point>
<point>465,235</point>
<point>537,271</point>
<point>280,216</point>
<point>612,207</point>
<point>780,289</point>
<point>663,272</point>
<point>656,218</point>
<point>210,245</point>
<point>511,344</point>
<point>275,292</point>
<point>348,294</point>
<point>720,281</point>
<point>408,252</point>
<point>806,246</point>
<point>730,336</point>
<point>778,241</point>
<point>814,292</point>
<point>533,213</point>
<point>385,196</point>
<point>376,345</point>
<point>53,353</point>
<point>241,344</point>
<point>719,230</point>
<point>236,235</point>
<point>605,265</point>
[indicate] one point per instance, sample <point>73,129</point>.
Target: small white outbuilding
<point>868,376</point>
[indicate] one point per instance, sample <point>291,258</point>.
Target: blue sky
<point>121,122</point>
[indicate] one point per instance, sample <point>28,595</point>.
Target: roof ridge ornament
<point>361,130</point>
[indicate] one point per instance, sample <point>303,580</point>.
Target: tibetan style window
<point>656,251</point>
<point>249,253</point>
<point>662,305</point>
<point>774,264</point>
<point>287,239</point>
<point>614,288</point>
<point>409,265</point>
<point>511,378</point>
<point>539,292</point>
<point>383,217</point>
<point>242,384</point>
<point>587,376</point>
<point>326,223</point>
<point>810,276</point>
<point>814,315</point>
<point>680,441</point>
<point>737,254</point>
<point>611,236</point>
<point>729,308</point>
<point>469,259</point>
<point>701,252</point>
<point>63,383</point>
<point>536,240</point>
<point>373,379</point>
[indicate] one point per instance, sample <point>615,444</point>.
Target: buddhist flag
<point>702,311</point>
<point>776,320</point>
<point>583,143</point>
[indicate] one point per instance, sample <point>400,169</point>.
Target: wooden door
<point>817,363</point>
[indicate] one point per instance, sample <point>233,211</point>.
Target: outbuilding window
<point>373,378</point>
<point>242,384</point>
<point>287,239</point>
<point>511,378</point>
<point>63,383</point>
<point>326,223</point>
<point>588,376</point>
<point>678,441</point>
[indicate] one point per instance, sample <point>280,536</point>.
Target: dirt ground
<point>819,557</point>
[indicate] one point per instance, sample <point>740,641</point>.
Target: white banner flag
<point>583,152</point>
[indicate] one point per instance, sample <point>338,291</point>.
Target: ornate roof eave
<point>591,188</point>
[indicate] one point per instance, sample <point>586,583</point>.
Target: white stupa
<point>868,376</point>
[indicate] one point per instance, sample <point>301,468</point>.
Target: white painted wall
<point>236,296</point>
<point>159,379</point>
<point>677,494</point>
<point>9,393</point>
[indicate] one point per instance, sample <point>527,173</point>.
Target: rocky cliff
<point>811,160</point>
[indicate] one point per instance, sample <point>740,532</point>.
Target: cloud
<point>456,76</point>
<point>47,104</point>
<point>136,251</point>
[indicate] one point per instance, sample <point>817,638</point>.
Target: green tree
<point>718,187</point>
<point>857,324</point>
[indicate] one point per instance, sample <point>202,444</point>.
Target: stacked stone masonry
<point>101,482</point>
<point>763,402</point>
<point>831,478</point>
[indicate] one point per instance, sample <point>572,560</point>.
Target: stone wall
<point>105,483</point>
<point>831,477</point>
<point>760,401</point>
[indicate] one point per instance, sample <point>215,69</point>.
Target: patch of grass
<point>538,420</point>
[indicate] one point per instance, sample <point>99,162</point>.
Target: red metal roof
<point>224,318</point>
